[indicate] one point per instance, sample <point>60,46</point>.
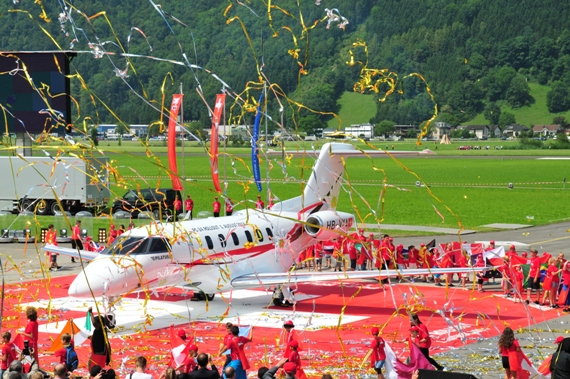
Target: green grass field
<point>355,108</point>
<point>472,191</point>
<point>535,114</point>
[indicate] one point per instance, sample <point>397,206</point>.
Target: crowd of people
<point>187,363</point>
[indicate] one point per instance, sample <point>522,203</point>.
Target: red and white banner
<point>220,103</point>
<point>174,109</point>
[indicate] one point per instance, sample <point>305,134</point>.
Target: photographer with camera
<point>203,372</point>
<point>30,334</point>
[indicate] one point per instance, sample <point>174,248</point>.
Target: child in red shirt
<point>551,283</point>
<point>62,353</point>
<point>508,347</point>
<point>377,353</point>
<point>295,358</point>
<point>8,351</point>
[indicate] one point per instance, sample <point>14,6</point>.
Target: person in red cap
<point>288,335</point>
<point>236,346</point>
<point>533,279</point>
<point>491,246</point>
<point>216,206</point>
<point>377,352</point>
<point>296,359</point>
<point>189,363</point>
<point>290,369</point>
<point>259,204</point>
<point>182,334</point>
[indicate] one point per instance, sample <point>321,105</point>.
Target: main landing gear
<point>283,296</point>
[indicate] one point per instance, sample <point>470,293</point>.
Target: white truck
<point>36,183</point>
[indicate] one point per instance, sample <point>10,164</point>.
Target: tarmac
<point>479,359</point>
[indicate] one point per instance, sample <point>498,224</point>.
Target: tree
<point>518,93</point>
<point>506,118</point>
<point>492,113</point>
<point>94,136</point>
<point>121,129</point>
<point>560,120</point>
<point>557,100</point>
<point>385,128</point>
<point>311,124</point>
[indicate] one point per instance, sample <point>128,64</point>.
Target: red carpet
<point>454,316</point>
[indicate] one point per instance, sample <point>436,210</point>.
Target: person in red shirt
<point>51,240</point>
<point>351,251</point>
<point>400,259</point>
<point>533,279</point>
<point>229,206</point>
<point>518,281</point>
<point>288,335</point>
<point>424,340</point>
<point>512,252</point>
<point>377,353</point>
<point>338,254</point>
<point>463,261</point>
<point>113,234</point>
<point>236,344</point>
<point>271,203</point>
<point>217,206</point>
<point>296,359</point>
<point>310,257</point>
<point>480,274</point>
<point>506,271</point>
<point>508,347</point>
<point>31,332</point>
<point>177,204</point>
<point>227,339</point>
<point>76,242</point>
<point>8,351</point>
<point>551,283</point>
<point>318,249</point>
<point>259,204</point>
<point>189,363</point>
<point>189,206</point>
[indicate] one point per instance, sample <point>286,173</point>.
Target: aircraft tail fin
<point>322,189</point>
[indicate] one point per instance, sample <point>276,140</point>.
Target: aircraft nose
<point>96,280</point>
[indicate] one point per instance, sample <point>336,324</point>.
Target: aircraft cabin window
<point>158,245</point>
<point>235,238</point>
<point>259,235</point>
<point>248,236</point>
<point>209,242</point>
<point>129,245</point>
<point>269,232</point>
<point>222,240</point>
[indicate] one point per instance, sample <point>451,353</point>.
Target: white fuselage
<point>205,253</point>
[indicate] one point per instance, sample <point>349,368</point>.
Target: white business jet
<point>250,249</point>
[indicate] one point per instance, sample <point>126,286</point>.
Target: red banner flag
<point>220,102</point>
<point>174,108</point>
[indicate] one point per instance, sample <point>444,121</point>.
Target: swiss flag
<point>520,363</point>
<point>178,348</point>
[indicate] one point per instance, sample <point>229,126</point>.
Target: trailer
<point>45,185</point>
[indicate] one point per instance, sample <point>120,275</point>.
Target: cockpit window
<point>128,245</point>
<point>158,245</point>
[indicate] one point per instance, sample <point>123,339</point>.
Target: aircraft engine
<point>327,225</point>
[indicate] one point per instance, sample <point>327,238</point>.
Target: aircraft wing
<point>269,279</point>
<point>87,255</point>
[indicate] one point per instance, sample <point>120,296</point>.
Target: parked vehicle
<point>156,201</point>
<point>37,183</point>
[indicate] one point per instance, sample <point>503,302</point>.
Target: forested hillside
<point>475,55</point>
